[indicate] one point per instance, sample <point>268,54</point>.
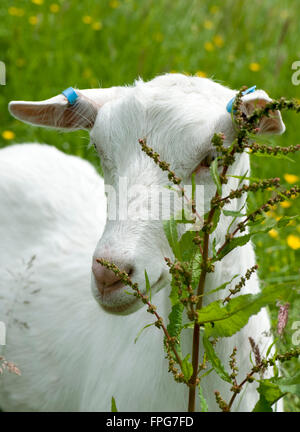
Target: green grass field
<point>50,45</point>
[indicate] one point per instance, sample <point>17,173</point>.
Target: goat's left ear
<point>267,125</point>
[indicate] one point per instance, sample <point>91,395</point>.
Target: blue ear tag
<point>231,102</point>
<point>71,95</point>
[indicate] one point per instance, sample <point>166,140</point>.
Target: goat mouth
<point>122,309</point>
<point>106,291</point>
<point>130,306</point>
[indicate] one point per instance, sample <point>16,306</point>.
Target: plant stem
<point>200,292</point>
<point>195,362</point>
<point>196,334</point>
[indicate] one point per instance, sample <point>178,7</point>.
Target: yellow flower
<point>8,135</point>
<point>285,204</point>
<point>208,46</point>
<point>15,11</point>
<point>218,41</point>
<point>273,233</point>
<point>114,4</point>
<point>54,8</point>
<point>33,20</point>
<point>270,214</point>
<point>201,74</point>
<point>291,178</point>
<point>87,73</point>
<point>293,242</point>
<point>214,9</point>
<point>97,25</point>
<point>208,24</point>
<point>38,2</point>
<point>254,67</point>
<point>87,19</point>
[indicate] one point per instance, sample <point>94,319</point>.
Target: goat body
<point>73,354</point>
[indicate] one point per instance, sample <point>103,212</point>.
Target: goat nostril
<point>106,280</point>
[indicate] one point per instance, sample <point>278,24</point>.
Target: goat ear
<point>267,125</point>
<point>57,112</point>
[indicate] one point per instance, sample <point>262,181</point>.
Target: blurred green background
<point>50,45</point>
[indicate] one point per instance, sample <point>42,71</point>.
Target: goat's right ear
<point>57,112</point>
<point>272,124</point>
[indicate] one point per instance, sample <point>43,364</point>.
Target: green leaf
<point>257,221</point>
<point>262,405</point>
<point>193,178</point>
<point>270,347</point>
<point>175,317</point>
<point>206,373</point>
<point>242,240</point>
<point>289,384</point>
<point>187,247</point>
<point>266,155</point>
<point>170,228</point>
<point>148,286</point>
<point>173,293</point>
<point>187,367</point>
<point>233,243</point>
<point>190,253</point>
<point>175,323</point>
<point>285,220</point>
<point>220,287</point>
<point>229,319</point>
<point>243,177</point>
<point>234,219</point>
<point>255,179</point>
<point>203,403</point>
<point>214,360</point>
<point>269,394</point>
<point>113,405</point>
<point>215,175</point>
<point>233,213</point>
<point>266,227</point>
<point>141,331</point>
<point>214,250</point>
<point>215,220</point>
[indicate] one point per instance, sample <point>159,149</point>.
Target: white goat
<point>73,354</point>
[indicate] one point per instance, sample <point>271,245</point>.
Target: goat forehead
<point>177,114</point>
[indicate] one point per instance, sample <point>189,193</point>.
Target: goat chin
<point>73,355</point>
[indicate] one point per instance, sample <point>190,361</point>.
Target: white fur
<point>73,355</point>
